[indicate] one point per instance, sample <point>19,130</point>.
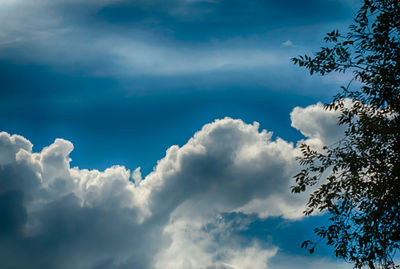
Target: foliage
<point>357,179</point>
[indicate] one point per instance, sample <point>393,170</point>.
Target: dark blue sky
<point>125,80</point>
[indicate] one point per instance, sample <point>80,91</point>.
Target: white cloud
<point>319,125</point>
<point>148,58</point>
<point>288,43</point>
<point>77,218</point>
<point>10,145</point>
<point>40,31</point>
<point>196,243</point>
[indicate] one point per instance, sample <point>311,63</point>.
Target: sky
<point>161,134</point>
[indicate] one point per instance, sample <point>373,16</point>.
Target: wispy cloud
<point>138,37</point>
<point>288,43</point>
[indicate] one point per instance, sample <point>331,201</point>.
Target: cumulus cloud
<point>319,125</point>
<point>57,216</point>
<point>199,243</point>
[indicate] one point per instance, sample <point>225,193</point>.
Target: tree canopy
<point>357,179</point>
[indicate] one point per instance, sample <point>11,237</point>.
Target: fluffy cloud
<point>55,216</point>
<point>203,243</point>
<point>317,124</point>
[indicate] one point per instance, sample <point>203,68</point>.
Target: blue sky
<point>123,81</point>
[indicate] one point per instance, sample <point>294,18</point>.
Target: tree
<point>357,179</point>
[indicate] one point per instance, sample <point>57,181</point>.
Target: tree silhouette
<point>359,176</point>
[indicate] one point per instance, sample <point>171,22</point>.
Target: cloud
<point>196,243</point>
<point>125,38</point>
<point>55,216</point>
<point>147,58</point>
<point>288,43</point>
<point>319,125</point>
<point>88,38</point>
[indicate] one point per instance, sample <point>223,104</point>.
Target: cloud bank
<point>57,216</point>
